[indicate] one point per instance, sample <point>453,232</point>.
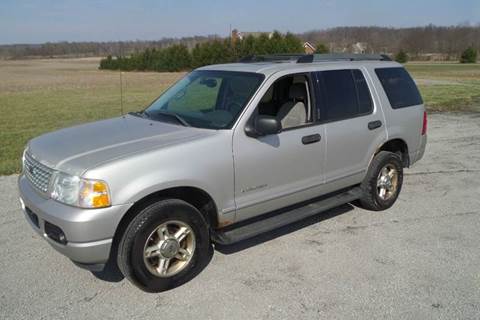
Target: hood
<point>76,149</point>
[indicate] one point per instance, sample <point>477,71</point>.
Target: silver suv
<point>227,153</point>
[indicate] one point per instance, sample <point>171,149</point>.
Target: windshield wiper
<point>173,115</point>
<point>137,114</point>
<point>145,114</point>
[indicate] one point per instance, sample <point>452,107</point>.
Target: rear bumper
<point>88,232</point>
<point>420,151</point>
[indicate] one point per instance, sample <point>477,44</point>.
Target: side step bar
<point>244,231</point>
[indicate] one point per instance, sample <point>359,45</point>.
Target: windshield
<point>206,99</point>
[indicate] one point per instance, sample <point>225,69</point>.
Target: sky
<point>38,21</point>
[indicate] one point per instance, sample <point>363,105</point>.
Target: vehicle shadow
<point>111,272</point>
<point>265,237</point>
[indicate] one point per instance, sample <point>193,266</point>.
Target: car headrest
<point>297,91</point>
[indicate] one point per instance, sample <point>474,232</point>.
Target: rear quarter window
<point>399,87</point>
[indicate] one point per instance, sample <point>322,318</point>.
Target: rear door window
<point>342,94</point>
<point>399,87</point>
<point>365,104</point>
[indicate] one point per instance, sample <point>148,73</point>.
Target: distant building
<point>240,35</point>
<point>432,57</point>
<point>309,48</point>
<point>359,47</point>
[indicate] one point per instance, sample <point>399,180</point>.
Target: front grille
<point>38,174</point>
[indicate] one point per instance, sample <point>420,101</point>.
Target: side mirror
<point>262,125</point>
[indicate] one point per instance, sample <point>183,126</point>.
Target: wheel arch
<point>398,146</point>
<point>197,197</point>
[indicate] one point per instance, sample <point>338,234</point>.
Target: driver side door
<point>278,170</point>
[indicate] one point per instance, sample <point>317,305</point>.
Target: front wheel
<point>164,246</point>
<point>383,182</point>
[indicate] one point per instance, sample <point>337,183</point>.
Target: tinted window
<point>340,94</point>
<point>399,87</point>
<point>344,94</point>
<point>364,98</point>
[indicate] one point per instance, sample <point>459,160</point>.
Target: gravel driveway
<point>417,260</point>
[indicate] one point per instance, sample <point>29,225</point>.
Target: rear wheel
<point>383,182</point>
<point>164,246</point>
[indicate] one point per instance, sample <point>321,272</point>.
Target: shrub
<point>401,56</point>
<point>293,44</point>
<point>321,48</point>
<point>108,63</point>
<point>469,56</point>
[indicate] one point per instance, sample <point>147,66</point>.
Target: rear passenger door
<point>354,124</point>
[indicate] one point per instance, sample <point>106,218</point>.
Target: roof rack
<point>309,58</point>
<point>271,58</point>
<point>342,57</point>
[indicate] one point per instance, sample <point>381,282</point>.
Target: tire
<point>155,226</point>
<point>372,196</point>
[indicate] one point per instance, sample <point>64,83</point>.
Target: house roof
<point>308,44</point>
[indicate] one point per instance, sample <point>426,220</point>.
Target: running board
<point>234,234</point>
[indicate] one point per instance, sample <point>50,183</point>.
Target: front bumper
<point>88,232</point>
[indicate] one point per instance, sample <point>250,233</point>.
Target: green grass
<point>42,96</point>
<point>29,114</point>
<point>448,87</point>
<point>37,96</point>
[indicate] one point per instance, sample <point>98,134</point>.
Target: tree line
<point>178,57</point>
<point>93,49</point>
<point>421,43</point>
<point>427,42</point>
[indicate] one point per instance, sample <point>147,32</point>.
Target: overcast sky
<point>37,21</point>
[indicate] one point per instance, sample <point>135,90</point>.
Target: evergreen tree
<point>178,57</point>
<point>469,56</point>
<point>401,57</point>
<point>321,48</point>
<point>275,43</point>
<point>292,44</point>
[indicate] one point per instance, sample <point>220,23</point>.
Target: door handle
<point>311,138</point>
<point>374,124</point>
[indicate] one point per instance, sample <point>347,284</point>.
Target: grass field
<point>448,87</point>
<point>38,96</point>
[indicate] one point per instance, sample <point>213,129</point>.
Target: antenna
<point>121,92</point>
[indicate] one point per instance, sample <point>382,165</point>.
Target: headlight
<point>79,192</point>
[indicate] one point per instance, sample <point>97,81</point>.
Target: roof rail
<point>309,58</point>
<point>271,58</point>
<point>342,57</point>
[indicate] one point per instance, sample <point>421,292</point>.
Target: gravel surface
<point>417,260</point>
